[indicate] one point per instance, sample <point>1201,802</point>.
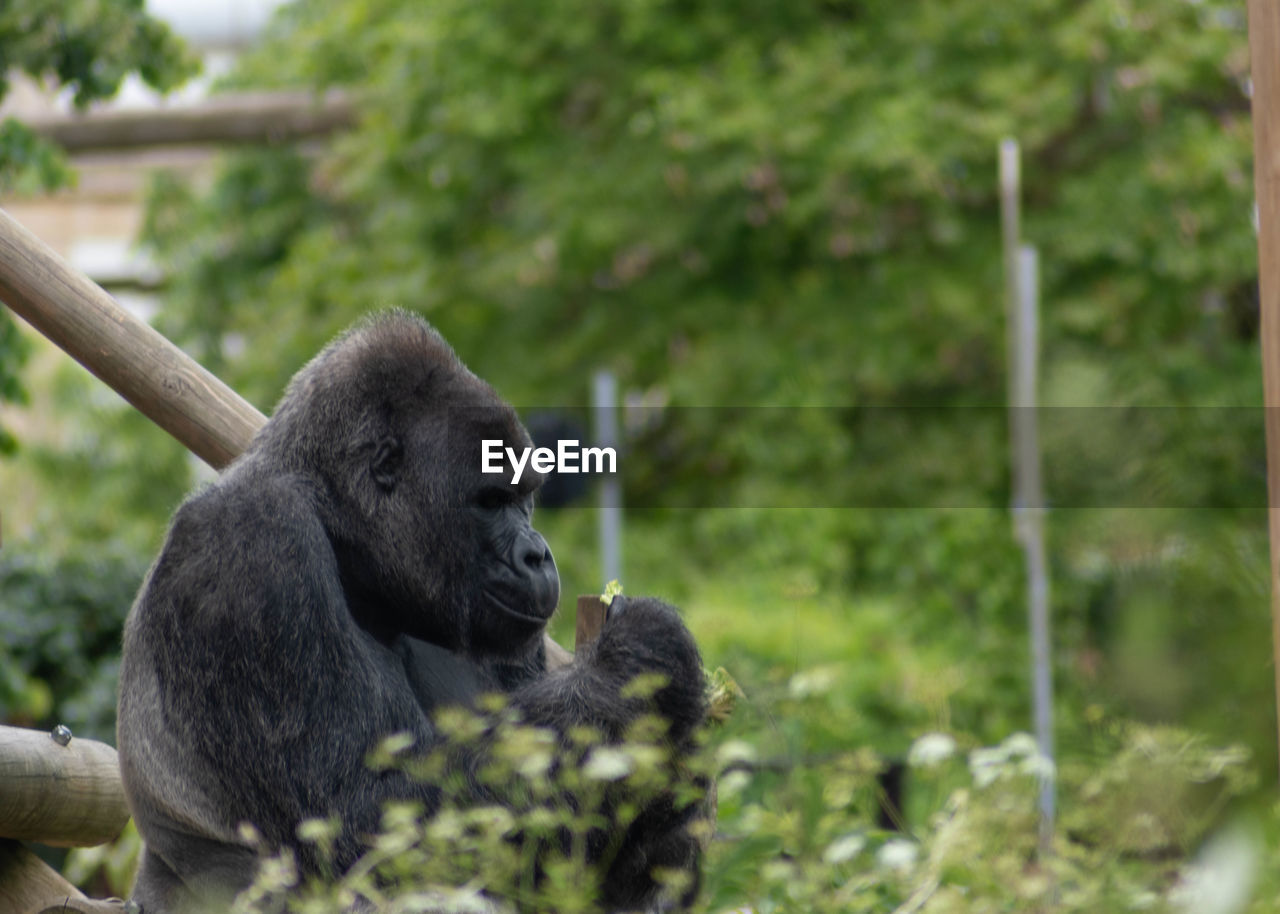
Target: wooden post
<point>134,360</point>
<point>591,613</point>
<point>28,885</point>
<point>246,117</point>
<point>65,795</point>
<point>1264,50</point>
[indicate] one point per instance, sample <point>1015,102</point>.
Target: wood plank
<point>591,614</point>
<point>157,377</point>
<point>252,117</point>
<point>67,796</point>
<point>1264,50</point>
<point>28,885</point>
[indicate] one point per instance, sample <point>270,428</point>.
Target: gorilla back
<point>353,570</point>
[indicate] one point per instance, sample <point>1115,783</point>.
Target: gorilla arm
<point>640,636</point>
<point>248,694</point>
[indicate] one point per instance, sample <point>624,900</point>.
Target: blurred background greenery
<point>784,205</point>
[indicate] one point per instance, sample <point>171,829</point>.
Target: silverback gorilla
<point>349,573</point>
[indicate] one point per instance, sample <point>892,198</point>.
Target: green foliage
<point>789,214</point>
<point>88,47</point>
<point>789,836</point>
<point>115,864</point>
<point>1154,791</point>
<point>672,176</point>
<point>546,800</point>
<point>60,624</point>
<point>116,479</point>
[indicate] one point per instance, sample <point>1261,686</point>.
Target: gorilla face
<point>428,545</point>
<point>520,587</point>
<point>515,587</point>
<point>470,572</point>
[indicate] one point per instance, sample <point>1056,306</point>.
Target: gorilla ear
<point>385,466</point>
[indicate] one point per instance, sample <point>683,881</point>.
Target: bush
<point>789,837</point>
<point>60,624</point>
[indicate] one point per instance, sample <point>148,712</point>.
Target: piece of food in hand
<point>723,694</point>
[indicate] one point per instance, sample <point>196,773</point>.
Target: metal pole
<point>604,400</point>
<point>1032,510</point>
<point>1029,518</point>
<point>1022,353</point>
<point>1010,232</point>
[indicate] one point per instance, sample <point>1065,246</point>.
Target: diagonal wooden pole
<point>163,382</point>
<point>1264,51</point>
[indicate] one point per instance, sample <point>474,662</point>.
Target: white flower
<point>1220,880</point>
<point>732,783</point>
<point>533,766</point>
<point>931,749</point>
<point>735,751</point>
<point>1020,744</point>
<point>985,766</point>
<point>1018,754</point>
<point>607,764</point>
<point>817,681</point>
<point>1039,766</point>
<point>898,855</point>
<point>844,849</point>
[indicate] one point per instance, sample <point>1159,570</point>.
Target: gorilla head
<point>389,422</point>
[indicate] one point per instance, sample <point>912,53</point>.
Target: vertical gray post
<point>604,401</point>
<point>1010,233</point>
<point>1029,515</point>
<point>1022,337</point>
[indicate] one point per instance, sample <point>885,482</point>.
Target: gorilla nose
<point>536,553</point>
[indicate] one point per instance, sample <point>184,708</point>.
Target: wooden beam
<point>591,615</point>
<point>65,795</point>
<point>1264,51</point>
<point>261,117</point>
<point>142,366</point>
<point>28,885</point>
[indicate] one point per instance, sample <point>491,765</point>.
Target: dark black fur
<point>353,570</point>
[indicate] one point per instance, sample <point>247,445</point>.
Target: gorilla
<point>351,572</point>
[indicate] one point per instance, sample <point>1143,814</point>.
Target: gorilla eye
<point>492,497</point>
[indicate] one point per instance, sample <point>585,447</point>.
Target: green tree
<point>62,612</point>
<point>705,185</point>
<point>795,205</point>
<point>88,47</point>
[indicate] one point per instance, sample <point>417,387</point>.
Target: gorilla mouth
<point>506,607</point>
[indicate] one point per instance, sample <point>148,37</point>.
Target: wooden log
<point>591,614</point>
<point>1264,52</point>
<point>67,796</point>
<point>28,885</point>
<point>163,382</point>
<point>134,360</point>
<point>252,117</point>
